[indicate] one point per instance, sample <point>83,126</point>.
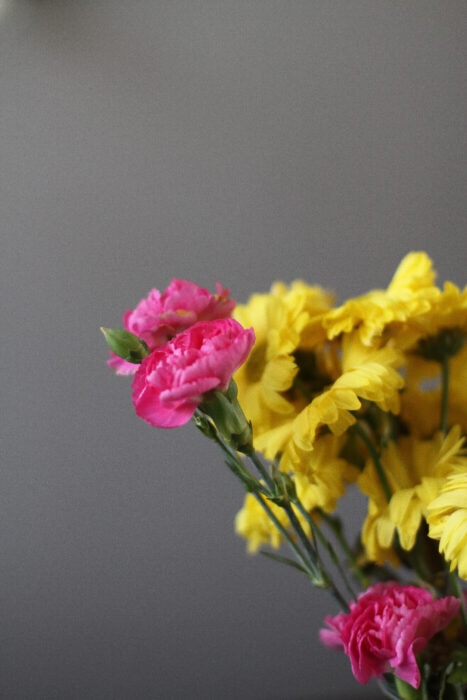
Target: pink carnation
<point>386,627</point>
<point>171,382</point>
<point>160,316</point>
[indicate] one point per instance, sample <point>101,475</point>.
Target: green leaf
<point>284,560</point>
<point>459,661</point>
<point>316,578</point>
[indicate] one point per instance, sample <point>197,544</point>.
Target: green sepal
<point>125,344</point>
<point>223,409</point>
<point>206,425</point>
<point>406,691</point>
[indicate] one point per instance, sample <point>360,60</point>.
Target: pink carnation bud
<point>386,627</point>
<point>171,382</point>
<point>161,316</point>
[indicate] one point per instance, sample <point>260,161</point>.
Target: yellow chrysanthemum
<point>415,470</point>
<point>410,293</point>
<point>447,310</point>
<point>327,474</point>
<point>314,371</point>
<point>377,535</point>
<point>368,374</point>
<point>447,520</point>
<point>421,399</point>
<point>279,319</point>
<point>440,327</point>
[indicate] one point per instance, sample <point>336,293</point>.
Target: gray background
<point>241,141</point>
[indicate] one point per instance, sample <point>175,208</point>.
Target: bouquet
<point>307,399</point>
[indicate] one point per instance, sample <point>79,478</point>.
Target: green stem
<point>314,573</point>
<point>444,393</point>
<point>295,522</point>
<point>331,551</point>
<point>337,530</point>
<point>310,563</point>
<point>255,460</point>
<point>459,593</point>
<point>310,548</point>
<point>376,460</point>
<point>287,507</point>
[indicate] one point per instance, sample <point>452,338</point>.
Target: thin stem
<point>331,551</point>
<point>288,509</point>
<point>317,574</point>
<point>311,563</point>
<point>309,547</point>
<point>253,457</point>
<point>444,393</point>
<point>337,530</point>
<point>296,549</point>
<point>295,522</point>
<point>459,592</point>
<point>376,460</point>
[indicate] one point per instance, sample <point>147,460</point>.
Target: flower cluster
<point>370,394</point>
<point>191,348</point>
<point>373,392</point>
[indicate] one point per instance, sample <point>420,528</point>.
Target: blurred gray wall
<point>240,141</point>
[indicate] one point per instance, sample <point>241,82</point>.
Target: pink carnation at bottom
<point>387,627</point>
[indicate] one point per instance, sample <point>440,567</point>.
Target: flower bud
<point>126,345</point>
